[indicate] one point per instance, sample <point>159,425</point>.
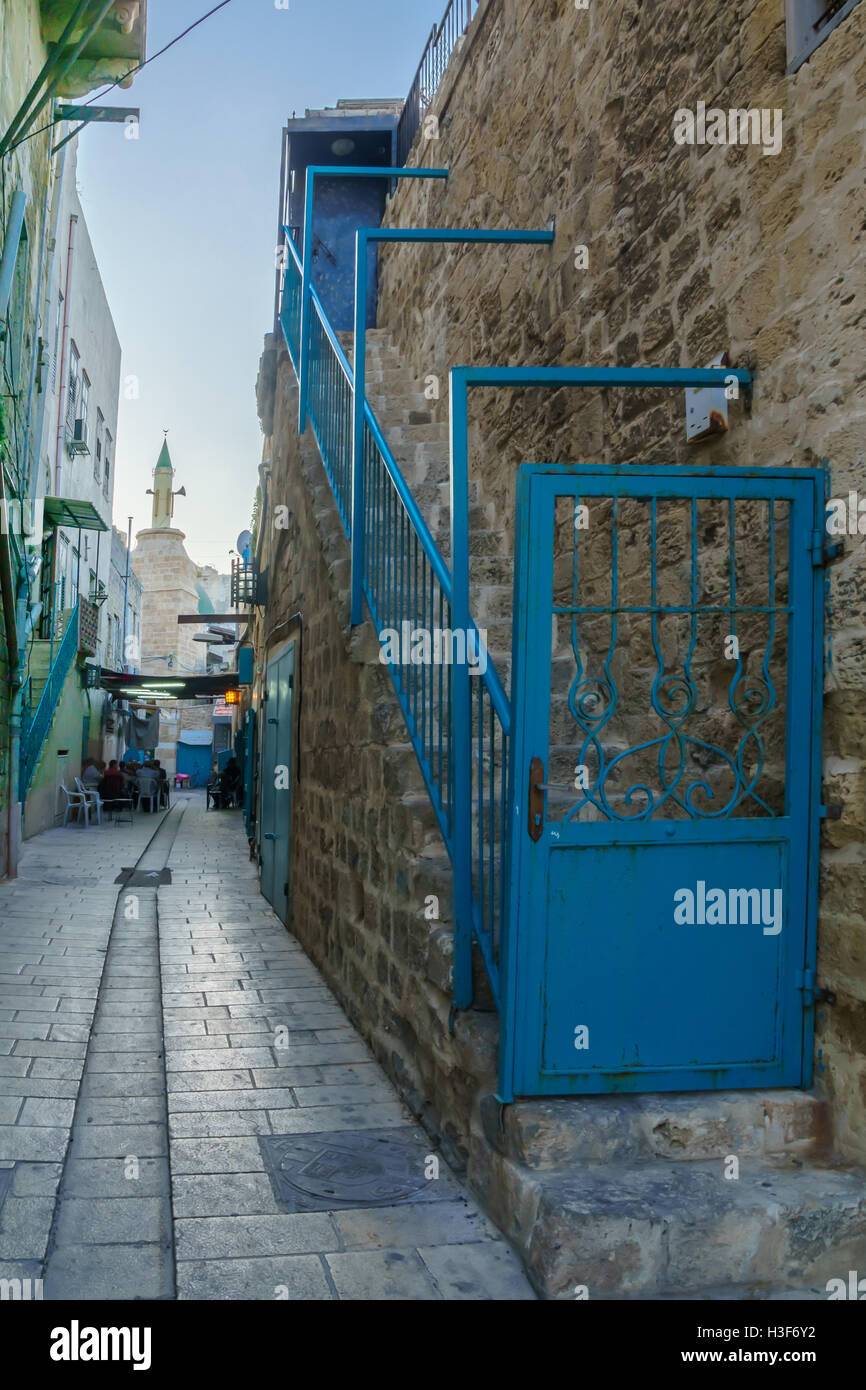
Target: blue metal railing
<point>290,307</point>
<point>34,731</point>
<point>407,587</point>
<point>329,406</point>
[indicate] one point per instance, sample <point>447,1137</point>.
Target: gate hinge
<point>823,550</point>
<point>812,993</point>
<point>831,811</point>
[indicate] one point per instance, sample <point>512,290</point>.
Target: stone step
<point>692,1127</point>
<point>384,401</point>
<point>625,1230</point>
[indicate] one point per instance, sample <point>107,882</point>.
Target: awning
<point>197,738</point>
<point>79,516</point>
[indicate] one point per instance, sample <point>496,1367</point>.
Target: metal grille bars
<point>462,379</point>
<point>442,42</point>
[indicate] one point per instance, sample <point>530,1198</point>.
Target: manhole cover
<point>328,1172</point>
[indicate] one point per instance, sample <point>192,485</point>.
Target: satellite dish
<point>244,541</point>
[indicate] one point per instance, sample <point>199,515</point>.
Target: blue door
<point>276,781</point>
<point>195,759</point>
<point>660,930</point>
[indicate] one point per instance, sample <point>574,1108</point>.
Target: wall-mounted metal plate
<point>367,1168</point>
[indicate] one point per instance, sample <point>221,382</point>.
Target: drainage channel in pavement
<point>111,1236</point>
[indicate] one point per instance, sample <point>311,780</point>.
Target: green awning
<point>65,511</point>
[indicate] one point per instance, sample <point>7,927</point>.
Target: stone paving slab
<point>153,1060</point>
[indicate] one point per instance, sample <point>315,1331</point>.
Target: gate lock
<point>536,799</point>
<point>537,788</point>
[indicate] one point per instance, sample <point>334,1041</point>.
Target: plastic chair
<point>148,791</point>
<point>75,801</point>
<point>92,799</point>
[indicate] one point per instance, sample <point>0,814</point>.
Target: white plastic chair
<point>92,799</point>
<point>148,791</point>
<point>75,801</point>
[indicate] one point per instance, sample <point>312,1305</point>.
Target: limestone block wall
<point>550,112</point>
<point>168,582</point>
<point>366,855</point>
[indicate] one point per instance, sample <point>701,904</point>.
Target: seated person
<point>163,781</point>
<point>91,775</point>
<point>114,787</point>
<point>148,783</point>
<point>214,790</point>
<point>230,782</point>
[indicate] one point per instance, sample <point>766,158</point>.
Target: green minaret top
<point>164,460</point>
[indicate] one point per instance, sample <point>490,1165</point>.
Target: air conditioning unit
<point>77,441</point>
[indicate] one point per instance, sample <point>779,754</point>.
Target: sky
<point>183,223</point>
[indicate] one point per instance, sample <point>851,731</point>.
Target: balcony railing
<point>442,42</point>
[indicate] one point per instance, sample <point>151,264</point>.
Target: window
<point>808,23</point>
<point>74,571</point>
<point>56,353</point>
<point>72,388</point>
<point>62,577</point>
<point>106,481</point>
<point>85,400</point>
<point>97,453</point>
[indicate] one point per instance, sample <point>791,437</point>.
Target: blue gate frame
<point>590,940</point>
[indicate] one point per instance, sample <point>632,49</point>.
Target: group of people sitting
<point>118,783</point>
<point>223,788</point>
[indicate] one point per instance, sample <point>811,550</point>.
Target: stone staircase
<point>606,1197</point>
<point>700,1195</point>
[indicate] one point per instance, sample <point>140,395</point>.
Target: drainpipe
<point>9,582</point>
<point>10,248</point>
<point>124,662</point>
<point>9,589</point>
<point>61,409</point>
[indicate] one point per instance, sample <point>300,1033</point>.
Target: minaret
<point>163,496</point>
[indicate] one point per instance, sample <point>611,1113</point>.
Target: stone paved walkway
<point>185,1111</point>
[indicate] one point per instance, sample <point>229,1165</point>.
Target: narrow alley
<point>185,1111</point>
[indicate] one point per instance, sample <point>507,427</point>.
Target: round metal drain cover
<point>322,1172</point>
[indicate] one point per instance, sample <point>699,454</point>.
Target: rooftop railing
<point>443,40</point>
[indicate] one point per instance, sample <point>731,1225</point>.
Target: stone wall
<point>549,112</point>
<point>168,587</point>
<point>366,853</point>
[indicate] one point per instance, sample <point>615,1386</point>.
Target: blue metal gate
<point>665,780</point>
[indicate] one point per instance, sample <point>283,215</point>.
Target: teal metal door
<point>195,761</point>
<point>276,775</point>
<point>667,678</point>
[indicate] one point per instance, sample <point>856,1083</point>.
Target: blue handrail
<point>34,732</point>
<point>407,585</point>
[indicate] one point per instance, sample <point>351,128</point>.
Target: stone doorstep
<point>629,1195</point>
<point>781,1125</point>
<point>645,1231</point>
